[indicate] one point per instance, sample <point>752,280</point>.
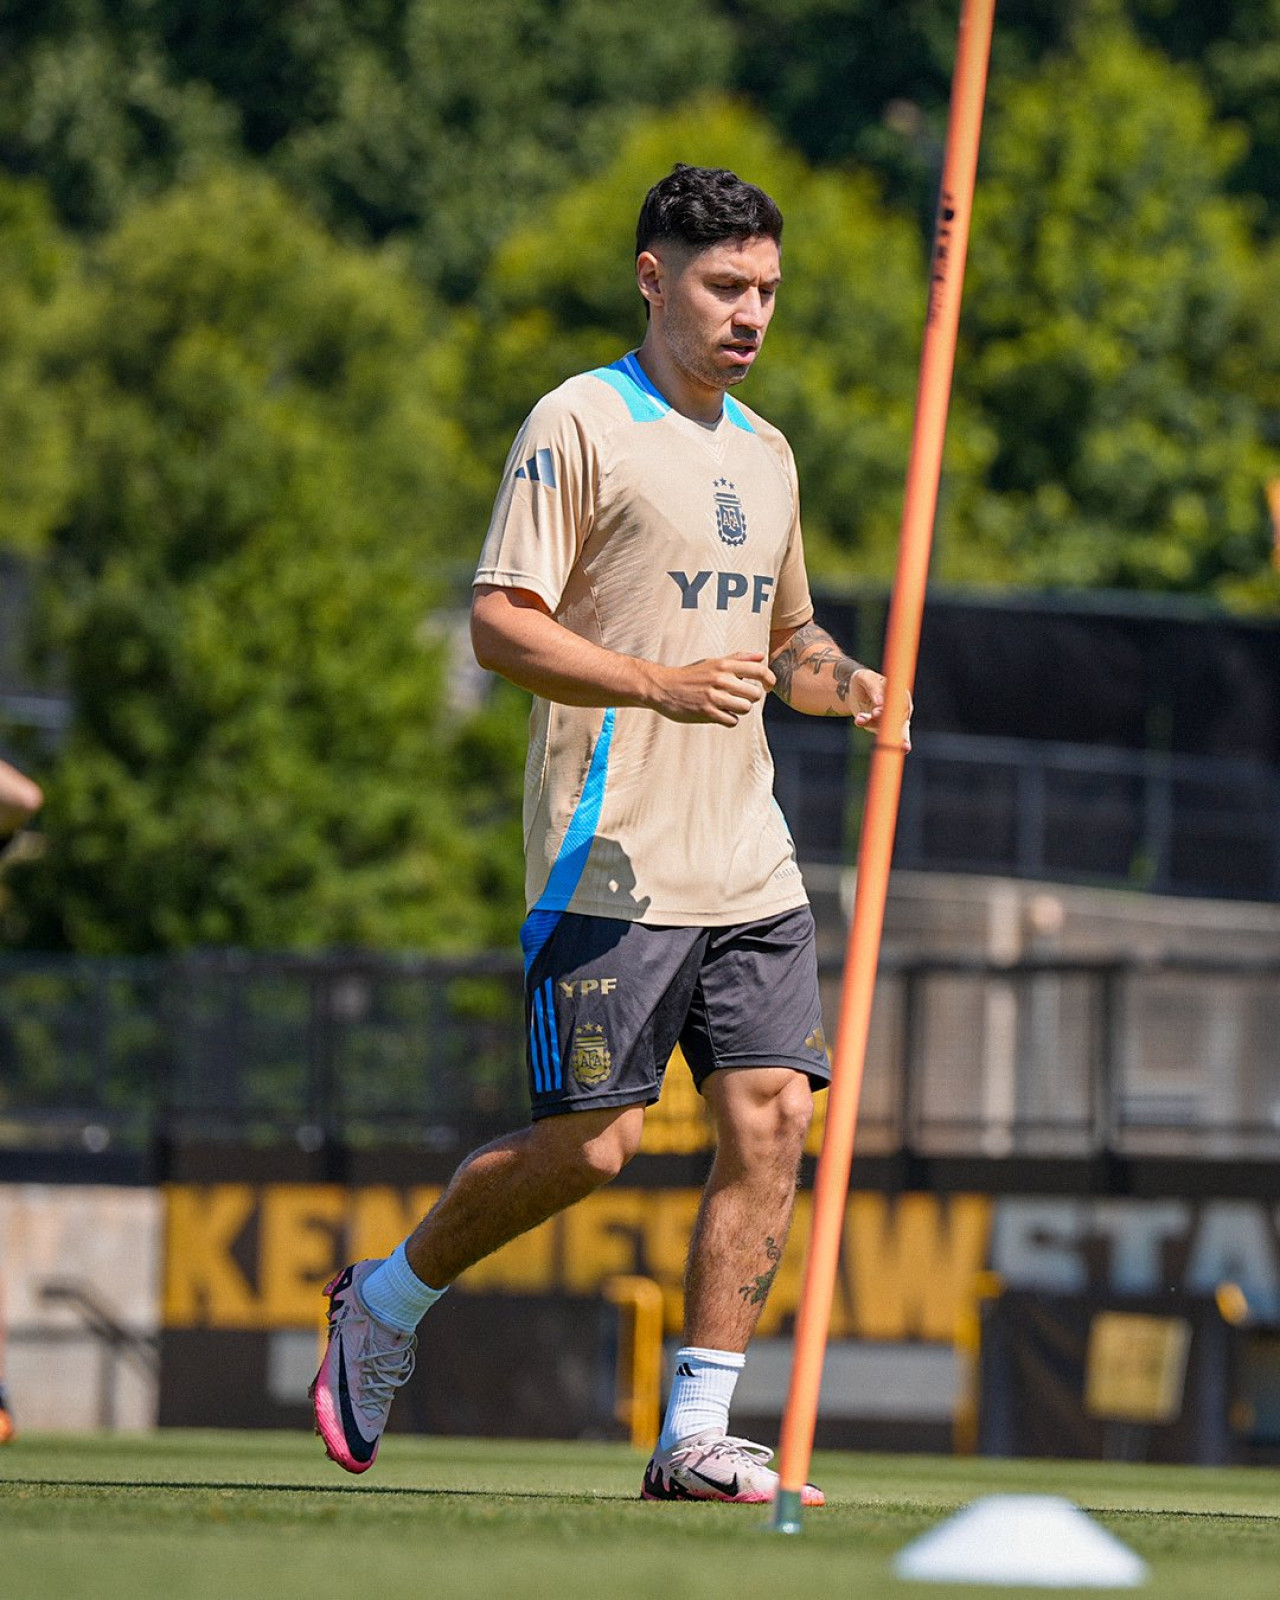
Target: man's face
<point>715,307</point>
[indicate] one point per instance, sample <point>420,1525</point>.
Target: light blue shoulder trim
<point>628,377</point>
<point>737,415</point>
<point>575,847</point>
<point>647,404</point>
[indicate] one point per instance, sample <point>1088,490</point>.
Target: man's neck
<point>697,401</point>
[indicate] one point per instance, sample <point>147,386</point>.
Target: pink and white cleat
<point>365,1362</point>
<point>715,1466</point>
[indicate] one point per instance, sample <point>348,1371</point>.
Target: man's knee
<point>762,1113</point>
<point>792,1113</point>
<point>590,1147</point>
<point>796,1109</point>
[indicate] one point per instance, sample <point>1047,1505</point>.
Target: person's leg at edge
<point>499,1192</point>
<point>762,1116</point>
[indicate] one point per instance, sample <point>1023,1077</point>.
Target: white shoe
<point>713,1465</point>
<point>365,1362</point>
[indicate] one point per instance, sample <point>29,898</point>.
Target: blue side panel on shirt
<point>535,930</point>
<point>575,847</point>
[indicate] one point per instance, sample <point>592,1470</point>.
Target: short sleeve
<point>543,512</point>
<point>792,603</point>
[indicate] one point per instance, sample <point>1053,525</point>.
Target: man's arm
<point>20,799</point>
<point>815,676</point>
<point>513,633</point>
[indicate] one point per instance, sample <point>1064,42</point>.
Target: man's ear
<point>650,273</point>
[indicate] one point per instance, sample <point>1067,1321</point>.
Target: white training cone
<point>1038,1540</point>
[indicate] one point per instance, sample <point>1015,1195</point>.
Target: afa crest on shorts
<point>589,1059</point>
<point>731,519</point>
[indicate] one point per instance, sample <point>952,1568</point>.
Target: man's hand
<point>721,690</point>
<point>867,693</point>
<point>815,676</point>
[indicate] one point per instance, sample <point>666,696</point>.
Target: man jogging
<point>643,576</point>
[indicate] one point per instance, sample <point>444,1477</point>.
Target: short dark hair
<point>702,206</point>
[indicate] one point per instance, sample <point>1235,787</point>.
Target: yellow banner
<point>250,1256</point>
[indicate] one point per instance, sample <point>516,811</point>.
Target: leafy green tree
<point>1253,367</point>
<point>1236,50</point>
<point>36,262</point>
<point>453,122</point>
<point>90,103</point>
<point>858,82</point>
<point>447,123</point>
<point>262,751</point>
<point>1107,327</point>
<point>463,120</point>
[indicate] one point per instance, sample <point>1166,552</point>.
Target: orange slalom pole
<point>884,785</point>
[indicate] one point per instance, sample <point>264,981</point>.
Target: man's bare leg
<point>518,1181</point>
<point>497,1193</point>
<point>762,1116</point>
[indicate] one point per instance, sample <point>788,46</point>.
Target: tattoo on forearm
<point>756,1292</point>
<point>812,649</point>
<point>783,666</point>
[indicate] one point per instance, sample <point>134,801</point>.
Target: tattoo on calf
<point>756,1292</point>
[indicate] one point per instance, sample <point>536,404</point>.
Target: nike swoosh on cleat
<point>730,1488</point>
<point>335,1286</point>
<point>360,1448</point>
<point>656,1487</point>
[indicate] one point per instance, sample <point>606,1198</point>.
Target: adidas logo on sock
<point>684,1370</point>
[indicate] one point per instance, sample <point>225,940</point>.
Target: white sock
<point>394,1293</point>
<point>700,1393</point>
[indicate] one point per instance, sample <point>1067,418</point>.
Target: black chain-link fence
<point>1040,1057</point>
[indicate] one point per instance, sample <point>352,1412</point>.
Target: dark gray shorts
<point>607,1001</point>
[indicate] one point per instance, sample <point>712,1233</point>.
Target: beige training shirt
<point>654,536</point>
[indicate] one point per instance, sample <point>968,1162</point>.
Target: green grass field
<point>194,1516</point>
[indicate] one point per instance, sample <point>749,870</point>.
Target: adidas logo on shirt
<point>539,468</point>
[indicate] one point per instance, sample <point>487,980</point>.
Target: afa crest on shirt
<point>589,1059</point>
<point>731,519</point>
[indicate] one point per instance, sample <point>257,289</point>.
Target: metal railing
<point>967,1057</point>
<point>116,1053</point>
<point>1075,1058</point>
<point>1065,813</point>
<point>117,1344</point>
